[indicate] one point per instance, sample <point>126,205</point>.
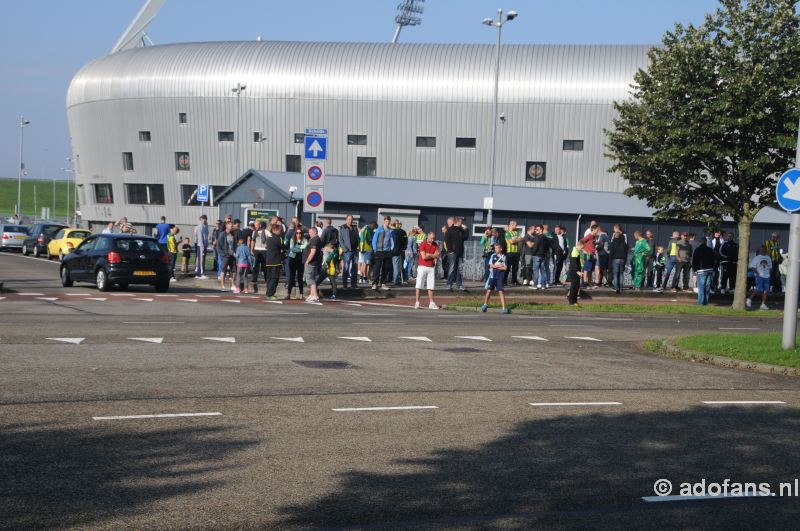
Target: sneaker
<point>546,286</point>
<point>532,287</point>
<point>222,289</point>
<point>505,310</point>
<point>449,288</point>
<point>202,277</point>
<point>311,299</point>
<point>332,298</point>
<point>255,288</point>
<point>173,279</point>
<point>375,287</point>
<point>432,306</point>
<point>236,290</point>
<point>484,307</point>
<point>287,297</point>
<point>462,288</point>
<point>722,291</point>
<point>387,288</point>
<point>274,297</point>
<point>524,282</point>
<point>416,305</point>
<point>695,290</point>
<point>247,292</point>
<point>764,307</point>
<point>538,286</point>
<point>748,303</point>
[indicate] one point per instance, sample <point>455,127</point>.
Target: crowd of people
<point>536,257</point>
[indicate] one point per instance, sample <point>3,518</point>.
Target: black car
<point>117,259</point>
<point>39,235</point>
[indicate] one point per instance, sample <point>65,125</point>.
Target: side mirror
<point>77,251</point>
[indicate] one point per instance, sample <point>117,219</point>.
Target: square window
<point>293,164</point>
<point>189,195</point>
<point>145,194</point>
<point>182,118</point>
<point>356,140</point>
<point>573,145</point>
<point>366,167</point>
<point>257,136</point>
<point>103,194</point>
<point>144,136</point>
<point>127,161</point>
<point>465,143</point>
<point>182,161</point>
<point>225,136</point>
<point>426,141</point>
<point>299,138</point>
<point>535,171</point>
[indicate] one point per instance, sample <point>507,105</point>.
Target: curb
<point>586,313</point>
<point>671,350</point>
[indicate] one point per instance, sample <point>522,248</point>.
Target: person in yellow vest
<point>671,250</point>
<point>774,251</point>
<point>513,239</point>
<point>574,273</point>
<point>172,250</point>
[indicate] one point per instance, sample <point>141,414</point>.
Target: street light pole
<point>22,123</point>
<point>238,91</point>
<point>499,23</point>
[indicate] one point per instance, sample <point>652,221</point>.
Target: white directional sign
<point>316,144</point>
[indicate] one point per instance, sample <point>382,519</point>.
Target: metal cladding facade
<point>391,93</point>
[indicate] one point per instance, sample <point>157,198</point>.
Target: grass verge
<point>759,348</point>
<point>681,309</point>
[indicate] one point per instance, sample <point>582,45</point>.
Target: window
<point>535,171</point>
<point>573,145</point>
<point>225,136</point>
<point>182,118</point>
<point>293,163</point>
<point>299,138</point>
<point>89,243</point>
<point>144,136</point>
<point>465,142</point>
<point>366,167</point>
<point>136,246</point>
<point>59,235</point>
<point>103,194</point>
<point>182,161</point>
<point>426,141</point>
<point>145,194</point>
<point>127,161</point>
<point>103,244</point>
<point>257,136</point>
<point>356,140</point>
<point>189,195</point>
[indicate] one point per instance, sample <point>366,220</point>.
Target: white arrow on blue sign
<point>202,193</point>
<point>316,148</point>
<point>788,190</point>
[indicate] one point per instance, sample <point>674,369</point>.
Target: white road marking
<point>148,339</point>
<point>209,296</point>
<point>351,304</point>
<point>154,322</point>
<point>222,339</point>
<point>534,338</point>
<point>607,318</point>
<point>73,340</point>
<point>164,295</point>
<point>734,402</point>
<point>123,295</point>
<point>739,328</point>
<point>417,338</point>
<point>295,339</point>
<point>101,299</point>
<point>356,338</point>
<point>584,338</point>
<point>388,408</point>
<point>475,338</point>
<point>159,416</point>
<point>314,303</point>
<point>558,404</point>
<point>187,300</point>
<point>274,302</point>
<point>78,294</point>
<point>707,497</point>
<point>47,298</point>
<point>367,314</point>
<point>143,300</point>
<point>378,323</point>
<point>381,304</point>
<point>2,298</point>
<point>31,294</point>
<point>234,300</point>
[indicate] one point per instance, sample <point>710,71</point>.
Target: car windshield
<point>136,245</point>
<point>50,230</point>
<point>15,228</point>
<point>79,234</point>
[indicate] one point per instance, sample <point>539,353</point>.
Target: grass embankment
<point>760,348</point>
<point>660,308</point>
<point>44,196</point>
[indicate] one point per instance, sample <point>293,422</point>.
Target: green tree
<point>712,121</point>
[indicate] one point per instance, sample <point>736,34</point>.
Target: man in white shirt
<point>761,265</point>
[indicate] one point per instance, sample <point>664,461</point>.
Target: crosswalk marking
<point>416,338</point>
<point>187,300</point>
<point>533,338</point>
<point>584,338</point>
<point>47,298</point>
<point>143,300</point>
<point>295,339</point>
<point>222,339</point>
<point>474,338</point>
<point>356,338</point>
<point>148,339</point>
<point>101,299</point>
<point>73,340</point>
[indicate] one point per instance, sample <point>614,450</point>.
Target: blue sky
<point>45,42</point>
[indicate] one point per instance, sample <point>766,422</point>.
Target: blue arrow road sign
<point>316,147</point>
<point>202,193</point>
<point>788,190</point>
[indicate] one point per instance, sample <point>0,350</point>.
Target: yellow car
<point>65,241</point>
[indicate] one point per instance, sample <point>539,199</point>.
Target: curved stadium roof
<point>363,71</point>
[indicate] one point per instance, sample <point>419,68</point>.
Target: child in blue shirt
<point>497,268</point>
<point>243,260</point>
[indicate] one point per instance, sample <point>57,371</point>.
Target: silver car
<point>12,236</point>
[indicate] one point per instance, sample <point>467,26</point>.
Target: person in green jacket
<point>640,253</point>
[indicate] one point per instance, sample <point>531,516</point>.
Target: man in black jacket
<point>273,259</point>
<point>348,240</point>
<point>716,244</point>
<point>454,240</point>
<point>399,253</point>
<point>703,266</point>
<point>729,258</point>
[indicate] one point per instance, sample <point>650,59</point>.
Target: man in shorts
<point>426,270</point>
<point>312,259</point>
<point>761,265</point>
<point>497,271</point>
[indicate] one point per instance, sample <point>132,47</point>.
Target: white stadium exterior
<point>149,124</point>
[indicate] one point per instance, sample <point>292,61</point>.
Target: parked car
<point>107,260</point>
<point>65,241</point>
<point>39,235</point>
<point>12,236</point>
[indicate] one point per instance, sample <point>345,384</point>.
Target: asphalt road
<point>491,435</point>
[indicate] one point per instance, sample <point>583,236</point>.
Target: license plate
<point>19,237</point>
<point>144,273</point>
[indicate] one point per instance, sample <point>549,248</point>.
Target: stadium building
<point>409,125</point>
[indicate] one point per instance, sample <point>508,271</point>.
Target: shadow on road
<point>56,477</point>
<point>582,471</point>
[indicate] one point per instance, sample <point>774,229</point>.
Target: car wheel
<point>101,280</point>
<point>36,251</point>
<point>66,281</point>
<point>162,287</point>
<point>25,250</point>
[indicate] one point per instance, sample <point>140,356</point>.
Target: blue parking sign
<point>202,193</point>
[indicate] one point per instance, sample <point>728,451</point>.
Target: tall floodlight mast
<point>409,13</point>
<point>135,36</point>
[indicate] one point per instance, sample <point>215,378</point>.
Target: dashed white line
<point>101,299</point>
<point>232,300</point>
<point>31,294</point>
<point>143,299</point>
<point>741,402</point>
<point>187,300</point>
<point>222,339</point>
<point>584,338</point>
<point>154,322</point>
<point>295,339</point>
<point>532,338</point>
<point>739,328</point>
<point>77,294</point>
<point>559,404</point>
<point>209,296</point>
<point>474,338</point>
<point>123,295</point>
<point>274,302</point>
<point>47,298</point>
<point>73,340</point>
<point>387,408</point>
<point>165,295</point>
<point>159,416</point>
<point>360,338</point>
<point>416,338</point>
<point>148,339</point>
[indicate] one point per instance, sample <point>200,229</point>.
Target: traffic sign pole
<point>792,286</point>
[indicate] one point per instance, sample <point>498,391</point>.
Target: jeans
<point>671,261</point>
<point>172,258</point>
<point>350,269</point>
<point>704,279</point>
<point>453,271</point>
<point>681,270</point>
<point>539,269</point>
<point>397,269</point>
<point>546,271</point>
<point>617,271</point>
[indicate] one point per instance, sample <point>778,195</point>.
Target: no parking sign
<point>314,173</point>
<point>315,199</point>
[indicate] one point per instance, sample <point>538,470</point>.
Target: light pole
<point>499,23</point>
<point>67,172</point>
<point>238,91</point>
<point>22,123</point>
